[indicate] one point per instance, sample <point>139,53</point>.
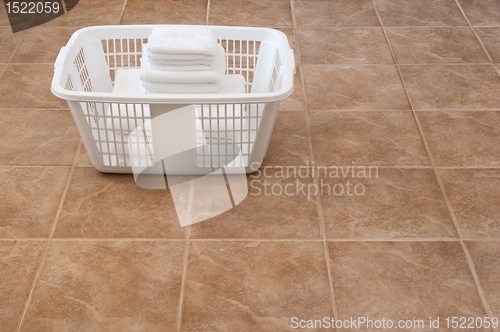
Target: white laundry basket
<point>84,75</point>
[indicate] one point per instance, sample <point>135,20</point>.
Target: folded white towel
<point>149,75</point>
<point>182,66</point>
<point>179,57</point>
<point>181,62</point>
<point>183,40</point>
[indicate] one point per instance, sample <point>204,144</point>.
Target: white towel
<point>176,65</point>
<point>183,40</point>
<point>148,75</point>
<point>180,57</point>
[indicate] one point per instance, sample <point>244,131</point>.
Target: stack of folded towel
<point>182,59</point>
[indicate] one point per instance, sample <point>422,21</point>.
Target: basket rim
<point>107,97</point>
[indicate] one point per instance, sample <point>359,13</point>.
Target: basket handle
<point>60,57</point>
<point>291,60</point>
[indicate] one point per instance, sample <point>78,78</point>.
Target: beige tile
<point>296,100</point>
<point>38,137</point>
<point>30,198</point>
<point>341,13</point>
<point>28,86</point>
<point>482,12</point>
<point>168,12</point>
<point>420,13</point>
<point>9,42</point>
<point>87,13</point>
<point>367,138</point>
<point>486,257</point>
<point>107,286</point>
<point>403,281</point>
<point>18,263</point>
<point>462,138</point>
<point>361,87</point>
<point>435,45</point>
<point>385,203</point>
<point>475,198</point>
<point>277,206</point>
<point>289,144</point>
<point>452,87</point>
<point>83,158</point>
<point>4,19</point>
<point>102,205</point>
<point>46,41</point>
<point>254,286</point>
<point>342,46</point>
<point>259,13</point>
<point>491,40</point>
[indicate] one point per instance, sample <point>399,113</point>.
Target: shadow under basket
<point>119,130</point>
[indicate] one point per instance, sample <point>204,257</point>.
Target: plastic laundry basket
<point>84,75</point>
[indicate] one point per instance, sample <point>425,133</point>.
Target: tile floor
<point>411,87</point>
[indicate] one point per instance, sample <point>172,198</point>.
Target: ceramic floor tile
<point>168,12</point>
<point>28,86</point>
<point>435,45</point>
<point>296,100</point>
<point>361,87</point>
<point>398,203</point>
<point>46,41</point>
<point>462,138</point>
<point>420,13</point>
<point>341,13</point>
<point>4,19</point>
<point>486,257</point>
<point>83,158</point>
<point>9,42</point>
<point>254,286</point>
<point>452,87</point>
<point>475,198</point>
<point>342,46</point>
<point>18,263</point>
<point>367,138</point>
<point>259,13</point>
<point>102,205</point>
<point>491,40</point>
<point>403,280</point>
<point>277,206</point>
<point>107,286</point>
<point>38,137</point>
<point>289,144</point>
<point>30,198</point>
<point>482,12</point>
<point>87,13</point>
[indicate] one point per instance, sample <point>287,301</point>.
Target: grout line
<point>208,12</point>
<point>399,64</point>
<point>477,37</point>
<point>321,218</point>
<point>417,239</point>
<point>45,250</point>
<point>440,182</point>
<point>123,12</point>
<point>468,256</point>
<point>184,276</point>
<point>183,280</point>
